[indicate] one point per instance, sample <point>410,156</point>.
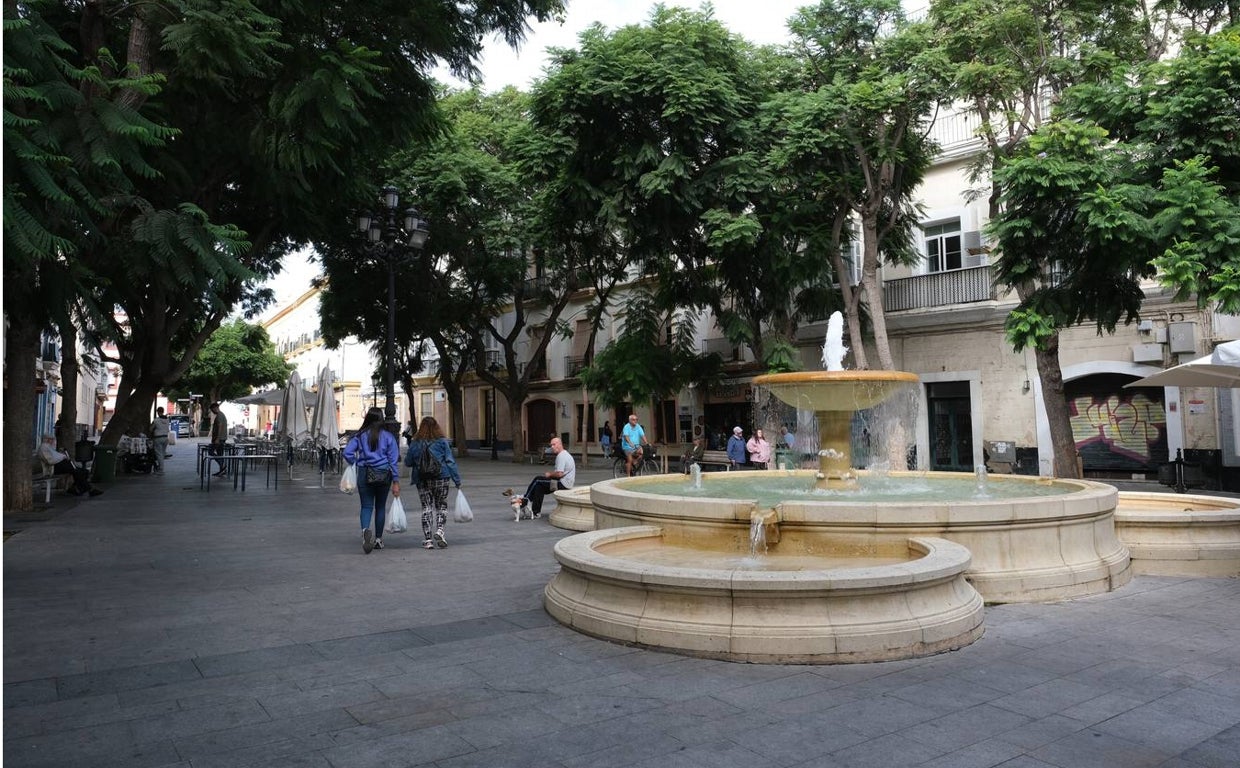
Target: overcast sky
<point>759,21</point>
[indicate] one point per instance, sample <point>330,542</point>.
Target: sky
<point>761,22</point>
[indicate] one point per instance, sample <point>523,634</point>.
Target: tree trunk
<point>1062,442</point>
<point>21,349</point>
<point>66,420</point>
<point>874,291</point>
<point>515,402</point>
<point>133,415</point>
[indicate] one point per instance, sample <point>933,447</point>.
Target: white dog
<point>520,508</point>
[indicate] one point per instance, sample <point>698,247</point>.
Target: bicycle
<point>647,466</point>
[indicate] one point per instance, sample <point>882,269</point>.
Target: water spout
<point>763,530</point>
<point>695,473</point>
<point>983,482</point>
<point>833,349</point>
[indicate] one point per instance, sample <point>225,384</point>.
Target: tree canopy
<point>238,357</point>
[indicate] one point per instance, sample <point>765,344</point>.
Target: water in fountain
<point>833,349</point>
<point>983,491</point>
<point>695,474</point>
<point>757,536</point>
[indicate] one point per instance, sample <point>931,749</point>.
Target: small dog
<point>521,509</point>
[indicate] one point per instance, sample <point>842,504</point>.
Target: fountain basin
<point>1180,534</point>
<point>1024,548</point>
<point>573,510</point>
<point>632,585</point>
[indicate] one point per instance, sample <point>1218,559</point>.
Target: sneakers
<point>428,544</point>
<point>507,491</point>
<point>440,541</point>
<point>368,540</point>
<point>537,515</point>
<point>378,543</point>
<point>96,492</point>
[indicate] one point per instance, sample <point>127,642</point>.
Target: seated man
<point>62,465</point>
<point>559,479</point>
<point>693,455</point>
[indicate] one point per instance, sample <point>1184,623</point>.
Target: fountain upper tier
<point>835,390</point>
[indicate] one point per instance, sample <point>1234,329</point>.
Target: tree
<point>1011,63</point>
<point>237,358</point>
<point>856,123</point>
<point>274,107</point>
<point>668,158</point>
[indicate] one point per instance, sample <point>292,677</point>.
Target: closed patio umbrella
<point>294,427</point>
<point>323,428</point>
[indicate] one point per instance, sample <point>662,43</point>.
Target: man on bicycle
<point>632,438</point>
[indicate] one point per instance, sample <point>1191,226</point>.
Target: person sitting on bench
<point>61,464</point>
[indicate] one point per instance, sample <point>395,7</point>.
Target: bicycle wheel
<point>617,468</point>
<point>650,467</point>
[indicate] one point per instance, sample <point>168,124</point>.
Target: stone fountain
<point>851,567</point>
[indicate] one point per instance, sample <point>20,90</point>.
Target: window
<point>943,246</point>
<point>427,404</point>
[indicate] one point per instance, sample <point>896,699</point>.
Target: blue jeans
<point>374,499</point>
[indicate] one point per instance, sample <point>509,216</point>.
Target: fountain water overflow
<point>811,566</point>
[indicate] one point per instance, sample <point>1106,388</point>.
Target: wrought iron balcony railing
<point>939,289</point>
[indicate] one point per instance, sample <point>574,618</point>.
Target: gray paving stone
<point>231,636</point>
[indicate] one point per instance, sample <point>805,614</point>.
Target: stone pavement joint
<point>159,626</point>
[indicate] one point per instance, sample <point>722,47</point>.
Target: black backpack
<point>428,465</point>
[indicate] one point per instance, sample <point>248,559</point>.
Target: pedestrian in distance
<point>736,448</point>
<point>561,478</point>
<point>605,438</point>
<point>759,449</point>
<point>790,440</point>
<point>632,441</point>
<point>430,455</point>
<point>693,455</point>
<point>375,454</point>
<point>159,439</point>
<point>61,464</point>
<point>219,436</point>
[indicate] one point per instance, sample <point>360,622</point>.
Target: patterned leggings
<point>434,497</point>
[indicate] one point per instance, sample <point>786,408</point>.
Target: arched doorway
<point>540,419</point>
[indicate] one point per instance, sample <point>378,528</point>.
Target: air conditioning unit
<point>1147,353</point>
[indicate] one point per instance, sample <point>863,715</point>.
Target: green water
<point>770,490</point>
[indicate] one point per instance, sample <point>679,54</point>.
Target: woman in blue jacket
<point>376,455</point>
<point>433,464</point>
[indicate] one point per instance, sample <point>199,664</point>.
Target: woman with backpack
<point>375,453</point>
<point>433,464</point>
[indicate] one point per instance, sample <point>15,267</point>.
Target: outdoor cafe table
<point>238,465</point>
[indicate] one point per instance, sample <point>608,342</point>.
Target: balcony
<point>575,365</point>
<point>939,289</point>
<point>538,369</point>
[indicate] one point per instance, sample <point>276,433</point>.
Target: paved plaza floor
<point>161,626</point>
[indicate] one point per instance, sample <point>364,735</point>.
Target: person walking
<point>736,448</point>
<point>159,439</point>
<point>219,436</point>
<point>632,438</point>
<point>375,453</point>
<point>430,455</point>
<point>604,439</point>
<point>563,477</point>
<point>759,450</point>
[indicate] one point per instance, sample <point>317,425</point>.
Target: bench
<point>46,476</point>
<point>715,459</point>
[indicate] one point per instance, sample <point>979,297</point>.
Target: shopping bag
<point>348,479</point>
<point>396,520</point>
<point>461,511</point>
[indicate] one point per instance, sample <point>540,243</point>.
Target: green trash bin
<point>104,468</point>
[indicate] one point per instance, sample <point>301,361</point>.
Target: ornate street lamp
<point>390,236</point>
<point>494,368</point>
<point>375,381</point>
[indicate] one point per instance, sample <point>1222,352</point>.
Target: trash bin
<point>783,459</point>
<point>105,463</point>
<point>83,452</point>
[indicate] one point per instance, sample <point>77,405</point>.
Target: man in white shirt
<point>159,439</point>
<point>62,465</point>
<point>563,477</point>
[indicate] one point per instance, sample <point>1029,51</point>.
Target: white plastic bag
<point>348,479</point>
<point>396,520</point>
<point>461,511</point>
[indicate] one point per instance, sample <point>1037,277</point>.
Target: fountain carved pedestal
<point>834,396</point>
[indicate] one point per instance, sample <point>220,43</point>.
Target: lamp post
<point>389,236</point>
<point>493,368</point>
<point>375,381</point>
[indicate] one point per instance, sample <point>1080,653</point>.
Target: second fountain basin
<point>712,599</point>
